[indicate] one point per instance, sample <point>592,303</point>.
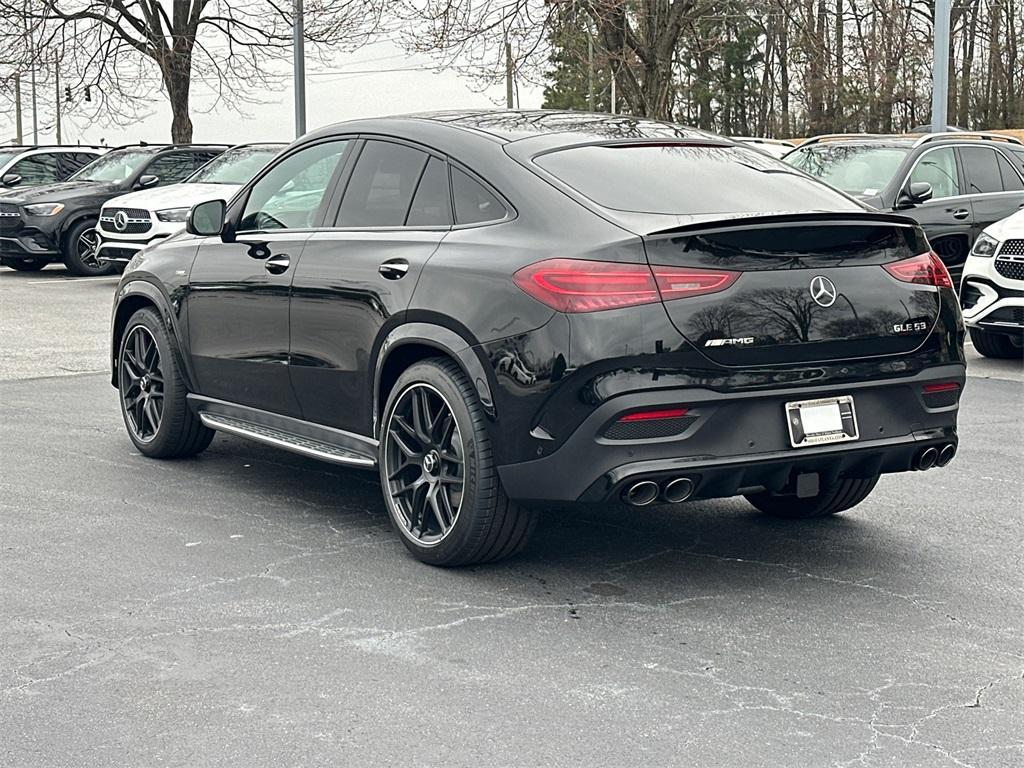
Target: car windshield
<point>688,179</point>
<point>857,169</point>
<point>236,166</point>
<point>6,157</point>
<point>119,165</point>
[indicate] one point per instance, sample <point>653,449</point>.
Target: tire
<point>997,345</point>
<point>836,498</point>
<point>483,524</point>
<point>25,265</point>
<point>79,252</point>
<point>178,431</point>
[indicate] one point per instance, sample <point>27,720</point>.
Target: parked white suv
<point>992,290</point>
<point>131,222</point>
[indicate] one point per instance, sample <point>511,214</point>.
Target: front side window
<point>116,166</point>
<point>36,169</point>
<point>380,191</point>
<point>686,179</point>
<point>172,167</point>
<point>289,196</point>
<point>857,169</point>
<point>938,168</point>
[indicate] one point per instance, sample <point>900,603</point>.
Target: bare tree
<point>124,50</point>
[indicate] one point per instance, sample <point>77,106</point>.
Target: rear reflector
<point>926,269</point>
<point>663,413</point>
<point>946,386</point>
<point>575,285</point>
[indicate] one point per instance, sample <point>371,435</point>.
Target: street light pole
<point>940,66</point>
<point>299,55</point>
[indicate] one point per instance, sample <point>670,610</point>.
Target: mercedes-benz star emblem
<point>121,221</point>
<point>823,291</point>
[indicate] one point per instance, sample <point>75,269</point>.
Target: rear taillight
<point>926,269</point>
<point>575,285</point>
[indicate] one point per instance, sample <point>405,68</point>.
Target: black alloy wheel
<point>142,384</point>
<point>81,250</point>
<point>424,464</point>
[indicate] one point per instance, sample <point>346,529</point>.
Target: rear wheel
<point>25,265</point>
<point>838,497</point>
<point>152,392</point>
<point>998,345</point>
<point>80,249</point>
<point>440,483</point>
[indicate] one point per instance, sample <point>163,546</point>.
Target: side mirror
<point>148,180</point>
<point>10,180</point>
<point>916,192</point>
<point>207,219</point>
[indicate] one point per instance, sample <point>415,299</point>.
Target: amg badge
<point>728,342</point>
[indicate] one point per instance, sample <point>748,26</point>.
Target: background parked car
<point>129,223</point>
<point>953,184</point>
<point>27,166</point>
<point>992,292</point>
<point>774,147</point>
<point>57,222</point>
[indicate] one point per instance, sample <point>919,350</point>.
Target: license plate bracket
<point>821,421</point>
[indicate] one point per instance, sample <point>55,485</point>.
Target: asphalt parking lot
<point>252,608</point>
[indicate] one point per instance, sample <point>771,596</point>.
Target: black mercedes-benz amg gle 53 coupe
<point>501,311</point>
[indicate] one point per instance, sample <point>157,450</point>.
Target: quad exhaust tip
<point>926,459</point>
<point>678,490</point>
<point>641,493</point>
<point>946,455</point>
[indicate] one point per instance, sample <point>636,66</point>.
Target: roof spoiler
<point>739,221</point>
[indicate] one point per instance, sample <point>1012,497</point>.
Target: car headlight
<point>44,209</point>
<point>173,214</point>
<point>985,246</point>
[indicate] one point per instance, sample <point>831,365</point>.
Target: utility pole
<point>17,108</point>
<point>35,110</point>
<point>56,101</point>
<point>940,66</point>
<point>614,78</point>
<point>590,70</point>
<point>509,75</point>
<point>299,55</point>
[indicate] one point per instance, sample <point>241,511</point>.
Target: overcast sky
<point>330,98</point>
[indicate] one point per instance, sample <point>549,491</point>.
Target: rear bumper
<point>741,441</point>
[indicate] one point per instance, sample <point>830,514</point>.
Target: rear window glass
<point>681,179</point>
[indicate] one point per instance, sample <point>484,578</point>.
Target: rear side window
<point>1011,179</point>
<point>686,179</point>
<point>37,169</point>
<point>432,203</point>
<point>938,168</point>
<point>474,204</point>
<point>982,169</point>
<point>380,191</point>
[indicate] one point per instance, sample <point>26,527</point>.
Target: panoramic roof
<point>521,124</point>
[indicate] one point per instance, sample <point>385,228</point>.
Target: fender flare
<point>444,340</point>
<point>140,287</point>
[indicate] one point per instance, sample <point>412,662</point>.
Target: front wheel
<point>80,251</point>
<point>997,345</point>
<point>441,486</point>
<point>833,499</point>
<point>152,392</point>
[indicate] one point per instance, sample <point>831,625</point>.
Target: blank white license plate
<point>822,421</point>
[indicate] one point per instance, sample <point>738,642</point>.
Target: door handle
<point>394,269</point>
<point>961,213</point>
<point>278,263</point>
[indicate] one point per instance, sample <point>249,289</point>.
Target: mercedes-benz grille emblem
<point>823,291</point>
<point>120,221</point>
